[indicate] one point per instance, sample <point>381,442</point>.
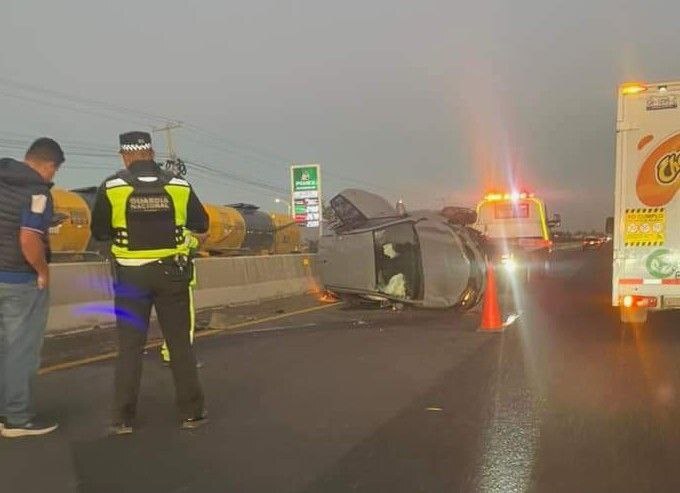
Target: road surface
<point>343,400</point>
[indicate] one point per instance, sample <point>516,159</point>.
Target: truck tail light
<point>634,301</point>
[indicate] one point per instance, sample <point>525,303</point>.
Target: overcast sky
<point>434,101</point>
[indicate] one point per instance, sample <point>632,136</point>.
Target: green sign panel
<point>305,178</point>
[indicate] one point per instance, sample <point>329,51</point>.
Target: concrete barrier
<point>81,294</point>
<point>568,245</point>
<point>234,281</point>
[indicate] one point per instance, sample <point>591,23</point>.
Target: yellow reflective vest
<point>148,215</point>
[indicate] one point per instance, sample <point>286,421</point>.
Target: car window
<point>397,260</point>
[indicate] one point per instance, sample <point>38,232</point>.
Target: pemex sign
<point>305,180</point>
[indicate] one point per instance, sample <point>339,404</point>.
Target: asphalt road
<point>362,400</point>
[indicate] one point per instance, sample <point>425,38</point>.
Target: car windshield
<point>397,261</point>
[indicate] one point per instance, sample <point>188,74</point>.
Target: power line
<point>235,177</point>
<point>274,160</point>
<point>73,151</point>
<point>266,157</point>
<point>208,173</point>
<point>82,100</point>
<point>69,108</point>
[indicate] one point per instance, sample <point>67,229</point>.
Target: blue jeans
<point>23,316</point>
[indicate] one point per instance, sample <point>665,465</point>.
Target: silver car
<point>424,258</point>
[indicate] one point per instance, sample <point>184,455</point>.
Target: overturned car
<point>378,253</point>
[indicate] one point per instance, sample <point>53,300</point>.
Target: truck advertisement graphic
<point>657,181</point>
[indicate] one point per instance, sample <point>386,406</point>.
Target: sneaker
<point>120,429</point>
<point>197,422</point>
<point>34,427</point>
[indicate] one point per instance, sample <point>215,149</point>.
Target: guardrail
<point>568,245</point>
<point>81,294</point>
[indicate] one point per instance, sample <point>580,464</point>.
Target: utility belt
<point>178,267</point>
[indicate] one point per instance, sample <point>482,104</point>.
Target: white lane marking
<point>279,328</point>
<point>69,332</point>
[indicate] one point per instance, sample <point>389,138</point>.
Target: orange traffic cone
<point>491,312</point>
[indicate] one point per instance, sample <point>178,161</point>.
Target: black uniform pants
<point>137,289</point>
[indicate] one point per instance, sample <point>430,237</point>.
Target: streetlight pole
<point>279,201</point>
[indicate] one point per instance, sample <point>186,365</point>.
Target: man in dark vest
<point>145,213</point>
<point>25,216</point>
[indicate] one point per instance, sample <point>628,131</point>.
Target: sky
<point>433,102</point>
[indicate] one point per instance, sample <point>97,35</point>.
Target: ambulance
<point>517,231</point>
<point>646,263</point>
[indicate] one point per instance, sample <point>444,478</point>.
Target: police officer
<point>144,212</point>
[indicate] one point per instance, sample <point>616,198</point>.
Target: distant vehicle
<point>379,254</point>
<point>518,231</point>
<point>592,242</point>
<point>646,270</point>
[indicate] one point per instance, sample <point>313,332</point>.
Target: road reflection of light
<point>652,364</point>
<point>511,436</point>
<point>109,311</point>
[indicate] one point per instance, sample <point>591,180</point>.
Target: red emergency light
<point>514,196</point>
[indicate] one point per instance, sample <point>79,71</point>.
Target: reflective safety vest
<point>148,215</point>
<point>190,241</point>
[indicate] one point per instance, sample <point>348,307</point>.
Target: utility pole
<point>169,145</point>
<point>173,164</point>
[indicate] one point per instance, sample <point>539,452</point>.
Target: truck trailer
<point>646,259</point>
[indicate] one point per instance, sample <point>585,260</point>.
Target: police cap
<point>135,141</point>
